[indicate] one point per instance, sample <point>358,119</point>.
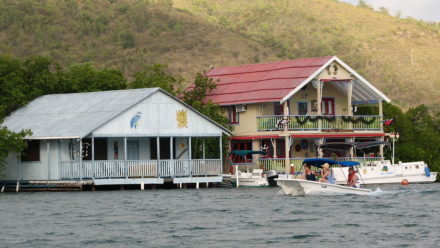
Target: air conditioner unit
<point>240,108</point>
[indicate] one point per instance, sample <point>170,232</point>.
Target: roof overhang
<point>362,90</point>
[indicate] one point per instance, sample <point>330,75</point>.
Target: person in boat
<point>308,174</point>
<point>326,174</point>
<point>353,180</point>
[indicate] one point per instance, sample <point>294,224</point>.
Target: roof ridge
<point>96,92</point>
<point>268,63</point>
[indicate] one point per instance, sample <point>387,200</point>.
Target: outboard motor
<point>271,175</point>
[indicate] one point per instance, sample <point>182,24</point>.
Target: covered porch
<point>152,160</point>
<point>300,147</point>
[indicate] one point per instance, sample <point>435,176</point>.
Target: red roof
<point>268,82</point>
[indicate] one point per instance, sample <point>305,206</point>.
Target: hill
<point>125,35</point>
<point>400,56</point>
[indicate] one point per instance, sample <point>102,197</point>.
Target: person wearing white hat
<point>325,173</point>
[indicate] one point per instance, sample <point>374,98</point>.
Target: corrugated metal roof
<point>73,115</point>
<point>261,82</point>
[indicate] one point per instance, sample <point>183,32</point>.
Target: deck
<point>107,172</point>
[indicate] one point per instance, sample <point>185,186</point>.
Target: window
<point>233,115</point>
<point>302,108</point>
<point>241,145</point>
<point>32,152</point>
<point>279,108</point>
<point>328,106</point>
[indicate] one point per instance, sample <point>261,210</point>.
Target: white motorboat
<point>383,172</point>
<point>255,178</point>
<point>303,187</point>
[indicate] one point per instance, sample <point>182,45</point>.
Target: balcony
<point>320,123</point>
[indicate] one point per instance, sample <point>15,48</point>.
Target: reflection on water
<point>257,217</point>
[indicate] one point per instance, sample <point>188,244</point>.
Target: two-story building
<point>288,108</point>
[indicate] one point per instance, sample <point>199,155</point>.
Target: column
<point>93,156</point>
<point>125,158</point>
<point>80,159</point>
<point>286,139</point>
<point>190,156</point>
<point>48,159</point>
<point>318,101</point>
<point>221,153</point>
<point>171,157</point>
<point>380,113</point>
<point>203,148</point>
<point>349,100</point>
<point>158,155</point>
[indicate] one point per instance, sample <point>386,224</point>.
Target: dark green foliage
<point>11,142</point>
<point>157,75</point>
<point>419,134</point>
<point>22,81</point>
<point>196,98</point>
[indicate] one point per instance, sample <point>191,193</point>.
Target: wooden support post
<point>80,159</point>
<point>93,188</point>
<point>171,157</point>
<point>48,158</point>
<point>286,139</point>
<point>349,100</point>
<point>142,185</point>
<point>207,185</point>
<point>158,155</point>
<point>237,182</point>
<point>125,158</point>
<point>203,148</point>
<point>180,185</point>
<point>93,157</point>
<point>197,185</point>
<point>17,187</point>
<point>318,101</point>
<point>221,152</point>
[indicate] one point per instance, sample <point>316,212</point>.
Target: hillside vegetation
<point>376,44</point>
<point>124,35</point>
<point>191,35</point>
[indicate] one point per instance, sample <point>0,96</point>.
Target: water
<point>396,216</point>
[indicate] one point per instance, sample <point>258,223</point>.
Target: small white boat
<point>255,178</point>
<point>294,186</point>
<point>383,172</point>
<point>303,187</point>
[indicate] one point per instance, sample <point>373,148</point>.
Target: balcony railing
<point>140,168</point>
<point>325,122</point>
<point>278,164</point>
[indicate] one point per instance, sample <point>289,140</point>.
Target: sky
<point>428,10</point>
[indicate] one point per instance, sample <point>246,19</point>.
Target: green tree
<point>196,97</point>
<point>157,75</point>
<point>85,78</point>
<point>11,142</point>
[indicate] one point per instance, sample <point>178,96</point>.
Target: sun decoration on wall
<point>182,118</point>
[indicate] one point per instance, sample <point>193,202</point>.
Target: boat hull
<point>304,187</point>
<point>383,172</point>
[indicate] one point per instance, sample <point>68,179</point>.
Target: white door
<point>133,150</point>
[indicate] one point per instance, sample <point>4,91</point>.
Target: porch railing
<point>140,168</point>
<point>311,122</point>
<point>278,164</point>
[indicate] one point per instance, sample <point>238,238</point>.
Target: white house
<point>114,138</point>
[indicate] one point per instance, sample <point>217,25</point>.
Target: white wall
<point>158,118</point>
